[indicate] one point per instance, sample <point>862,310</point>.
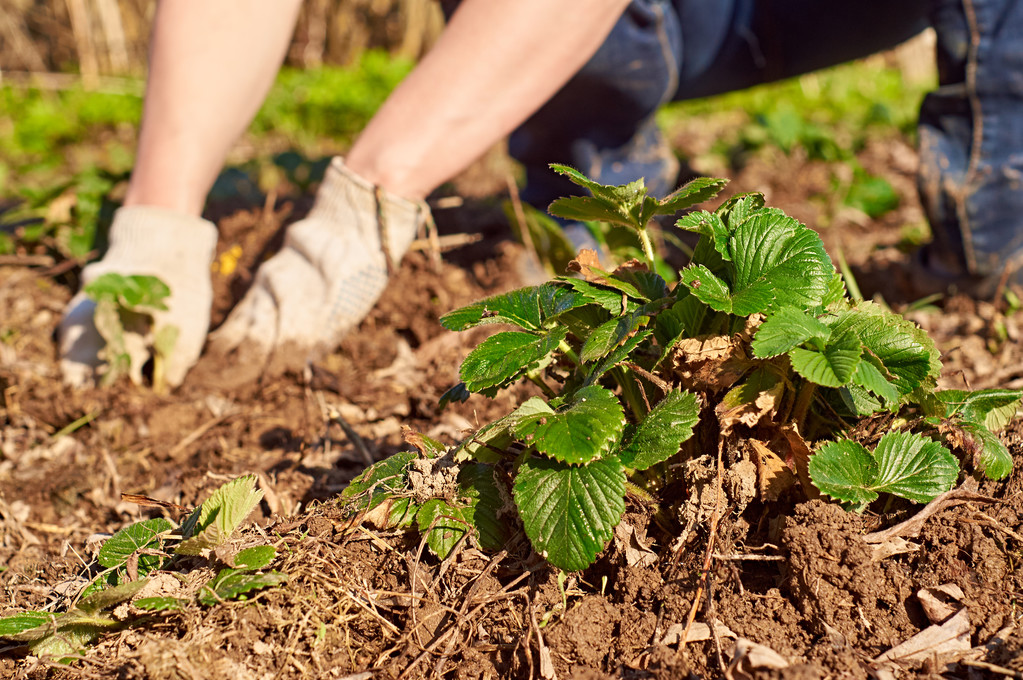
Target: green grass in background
<point>828,116</point>
<point>72,141</point>
<point>845,103</point>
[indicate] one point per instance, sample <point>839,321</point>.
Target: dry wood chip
<point>698,632</point>
<point>749,657</point>
<point>950,637</point>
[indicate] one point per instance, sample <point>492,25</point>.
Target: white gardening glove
<point>329,273</point>
<point>175,247</point>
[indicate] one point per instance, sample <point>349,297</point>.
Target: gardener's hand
<point>176,248</point>
<point>328,275</point>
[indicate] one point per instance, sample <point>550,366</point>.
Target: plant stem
<point>638,491</point>
<point>803,400</point>
<point>539,382</point>
<point>569,353</point>
<point>648,248</point>
<point>630,392</point>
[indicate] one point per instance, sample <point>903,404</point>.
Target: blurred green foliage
<point>846,103</point>
<point>306,106</point>
<point>828,115</point>
<point>80,144</point>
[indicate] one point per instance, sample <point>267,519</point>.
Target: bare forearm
<point>211,65</point>
<point>496,63</point>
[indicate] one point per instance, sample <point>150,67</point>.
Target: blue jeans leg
<point>601,121</point>
<point>735,44</point>
<point>971,138</point>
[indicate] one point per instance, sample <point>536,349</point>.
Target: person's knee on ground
<point>971,138</point>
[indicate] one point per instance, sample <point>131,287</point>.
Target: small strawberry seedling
<point>133,556</point>
<point>124,315</point>
<point>758,352</point>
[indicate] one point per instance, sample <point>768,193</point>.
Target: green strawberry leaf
<point>869,377</point>
<point>443,524</point>
<point>503,357</point>
<point>519,307</point>
<point>140,293</point>
<point>992,456</point>
<point>648,285</point>
<point>684,319</point>
<point>486,503</point>
<point>659,436</point>
<point>143,535</point>
<point>691,193</point>
<point>256,557</point>
<point>609,299</point>
<point>914,467</point>
<point>787,328</point>
<point>109,597</point>
<point>716,294</point>
<point>993,407</point>
<point>616,356</point>
<point>379,481</point>
<point>161,604</point>
<point>231,584</point>
<point>907,354</point>
<point>589,209</point>
<point>216,519</point>
<point>611,334</point>
<point>21,623</point>
<point>904,464</point>
<point>844,470</point>
<point>582,430</point>
<point>736,209</point>
<point>832,366</point>
<point>711,227</point>
<point>570,512</point>
<point>627,194</point>
<point>775,256</point>
<point>490,443</point>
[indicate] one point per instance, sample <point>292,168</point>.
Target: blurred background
<point>834,147</point>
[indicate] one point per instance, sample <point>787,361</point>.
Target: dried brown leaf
<point>951,637</point>
<point>748,657</point>
<point>584,263</point>
<point>709,363</point>
<point>773,475</point>
<point>941,602</point>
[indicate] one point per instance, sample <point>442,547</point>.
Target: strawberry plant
<point>757,352</point>
<point>124,315</point>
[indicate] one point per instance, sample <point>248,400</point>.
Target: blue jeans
<point>971,138</point>
<point>663,50</point>
<point>971,127</point>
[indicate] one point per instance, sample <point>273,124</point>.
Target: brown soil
<point>798,579</point>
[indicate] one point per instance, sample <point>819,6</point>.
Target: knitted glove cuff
<point>144,237</point>
<point>350,201</point>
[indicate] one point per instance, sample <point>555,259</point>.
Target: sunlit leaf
<point>581,431</point>
<point>659,435</point>
<point>506,356</point>
<point>786,328</point>
<point>570,512</point>
<point>143,535</point>
<point>903,464</point>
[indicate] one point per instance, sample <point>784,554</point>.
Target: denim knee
<point>601,121</point>
<point>971,136</point>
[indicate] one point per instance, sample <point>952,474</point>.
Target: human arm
<point>496,63</point>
